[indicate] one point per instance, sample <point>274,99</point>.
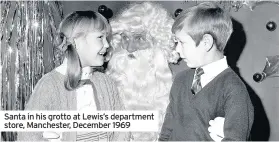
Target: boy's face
<point>189,52</point>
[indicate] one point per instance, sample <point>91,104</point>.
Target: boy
<point>211,89</point>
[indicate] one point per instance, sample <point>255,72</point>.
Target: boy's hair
<point>205,18</point>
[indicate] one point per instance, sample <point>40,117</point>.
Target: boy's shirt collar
<point>212,70</point>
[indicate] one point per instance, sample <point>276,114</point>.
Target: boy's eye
<point>174,39</point>
<point>175,44</point>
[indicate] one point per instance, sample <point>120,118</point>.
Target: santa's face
<point>134,41</point>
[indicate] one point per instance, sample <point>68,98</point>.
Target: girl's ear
<point>207,42</point>
<point>77,42</point>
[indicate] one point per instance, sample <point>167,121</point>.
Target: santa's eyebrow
<point>139,32</point>
<point>139,35</point>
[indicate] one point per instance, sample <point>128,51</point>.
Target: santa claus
<point>143,48</point>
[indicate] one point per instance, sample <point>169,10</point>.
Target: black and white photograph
<point>210,69</point>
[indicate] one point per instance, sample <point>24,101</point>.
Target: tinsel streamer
<point>26,70</point>
<point>5,9</point>
<point>12,26</point>
<point>30,48</point>
<point>21,55</point>
<point>39,45</point>
<point>17,56</point>
<point>25,26</point>
<point>59,8</point>
<point>57,58</point>
<point>51,31</point>
<point>10,52</point>
<point>56,7</point>
<point>42,38</point>
<point>226,5</point>
<point>237,5</point>
<point>5,6</point>
<point>24,52</point>
<point>253,4</point>
<point>16,50</point>
<point>15,59</point>
<point>7,48</point>
<point>33,44</point>
<point>26,65</point>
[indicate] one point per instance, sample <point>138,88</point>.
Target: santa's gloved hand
<point>52,136</point>
<point>216,129</point>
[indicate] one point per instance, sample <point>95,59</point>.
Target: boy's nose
<point>179,54</point>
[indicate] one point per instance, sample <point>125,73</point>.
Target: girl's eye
<point>100,37</point>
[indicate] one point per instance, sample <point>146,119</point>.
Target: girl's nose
<point>106,44</point>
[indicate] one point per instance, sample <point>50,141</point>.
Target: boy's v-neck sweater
<point>188,115</point>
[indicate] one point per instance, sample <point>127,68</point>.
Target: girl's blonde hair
<point>77,24</point>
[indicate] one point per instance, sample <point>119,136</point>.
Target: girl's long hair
<point>76,24</point>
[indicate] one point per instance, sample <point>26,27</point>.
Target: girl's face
<point>91,48</point>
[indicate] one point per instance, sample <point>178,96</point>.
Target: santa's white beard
<point>143,81</point>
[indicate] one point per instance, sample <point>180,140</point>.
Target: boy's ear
<point>207,41</point>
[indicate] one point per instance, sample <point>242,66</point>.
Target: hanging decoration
<point>253,4</point>
<point>271,26</point>
<point>227,5</point>
<point>271,69</point>
<point>105,11</point>
<point>235,5</point>
<point>177,12</point>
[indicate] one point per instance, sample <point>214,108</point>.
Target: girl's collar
<point>86,71</point>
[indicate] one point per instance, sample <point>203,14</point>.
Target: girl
<point>84,39</point>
